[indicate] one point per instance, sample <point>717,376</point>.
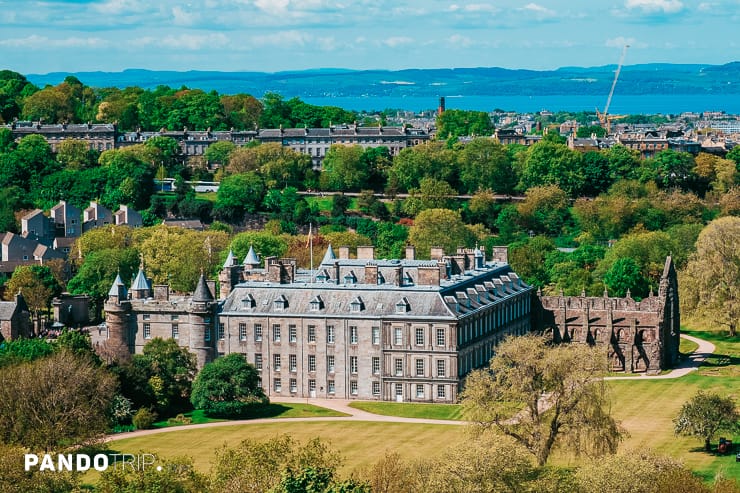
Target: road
<point>342,405</point>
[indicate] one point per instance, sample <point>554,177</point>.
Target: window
<point>311,362</point>
<point>376,365</point>
<point>292,362</point>
<point>293,386</point>
<point>175,317</point>
<point>258,361</point>
<point>258,332</point>
<point>398,365</point>
<point>175,331</point>
<point>332,386</point>
<point>281,303</point>
<point>441,391</point>
<point>330,363</point>
<point>316,304</point>
<point>330,334</point>
<point>399,390</point>
<point>440,337</point>
<point>277,385</point>
<point>292,333</point>
<point>249,302</point>
<point>441,370</point>
<point>207,336</point>
<point>147,331</point>
<point>146,316</point>
<point>276,333</point>
<point>276,362</point>
<point>398,336</point>
<point>312,385</point>
<point>376,388</point>
<point>242,332</point>
<point>311,333</point>
<point>353,334</point>
<point>376,335</point>
<point>419,336</point>
<point>353,387</point>
<point>419,391</point>
<point>419,367</point>
<point>353,364</point>
<point>221,332</point>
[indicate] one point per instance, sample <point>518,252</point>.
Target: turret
<point>140,288</point>
<point>229,275</point>
<point>252,260</point>
<point>117,315</point>
<point>202,311</point>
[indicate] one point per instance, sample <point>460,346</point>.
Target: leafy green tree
<point>390,240</point>
<point>457,123</point>
<point>38,285</point>
<point>50,104</point>
<point>13,88</point>
<point>528,374</point>
<point>175,475</point>
<point>545,210</point>
<point>527,258</point>
<point>165,151</point>
<point>623,276</point>
<point>431,194</point>
<point>587,131</point>
<point>439,227</point>
<point>649,250</point>
<point>23,350</point>
<point>549,163</point>
<point>28,163</point>
<point>237,195</point>
<point>339,204</point>
<point>705,415</point>
<point>218,152</point>
<point>130,173</point>
<point>170,369</point>
<point>241,111</point>
<point>596,173</point>
<point>228,387</point>
<point>75,154</point>
<point>76,414</point>
<point>78,343</point>
<point>344,169</point>
<point>13,476</point>
<point>710,283</point>
<point>670,169</point>
<point>412,164</point>
<point>623,162</point>
<point>507,223</point>
<point>485,165</point>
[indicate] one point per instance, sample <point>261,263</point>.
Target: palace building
<point>403,330</point>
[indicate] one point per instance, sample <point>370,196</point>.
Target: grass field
<point>360,443</point>
<point>408,410</point>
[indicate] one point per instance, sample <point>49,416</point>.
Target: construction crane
<point>605,118</point>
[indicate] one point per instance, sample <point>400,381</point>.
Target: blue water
<point>621,104</point>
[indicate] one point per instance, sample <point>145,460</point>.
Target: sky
<point>38,37</point>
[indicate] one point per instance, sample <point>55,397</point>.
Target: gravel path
<point>342,405</point>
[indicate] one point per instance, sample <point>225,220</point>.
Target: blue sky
<point>275,35</point>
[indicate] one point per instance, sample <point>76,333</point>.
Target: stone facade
<point>641,336</point>
<point>15,319</point>
<point>406,330</point>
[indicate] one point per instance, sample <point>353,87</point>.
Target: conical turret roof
<point>252,258</point>
<point>329,256</point>
<point>202,293</point>
<point>230,259</point>
<point>114,288</point>
<point>140,283</point>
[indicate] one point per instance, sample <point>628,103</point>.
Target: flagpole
<point>310,243</point>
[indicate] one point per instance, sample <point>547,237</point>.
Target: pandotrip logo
<point>85,462</point>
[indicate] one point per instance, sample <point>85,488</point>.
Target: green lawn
<point>687,347</point>
<point>324,203</point>
<point>409,410</point>
<point>360,443</point>
<point>273,410</point>
<point>209,196</point>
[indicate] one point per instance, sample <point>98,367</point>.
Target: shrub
<point>144,418</point>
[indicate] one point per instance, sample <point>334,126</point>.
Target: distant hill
<point>654,78</point>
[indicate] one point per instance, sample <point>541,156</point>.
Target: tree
<point>670,169</point>
<point>13,477</point>
<point>710,284</point>
<point>237,195</point>
<point>76,414</point>
<point>485,164</point>
<point>256,467</point>
<point>37,284</point>
<point>545,210</point>
<point>544,396</point>
<point>228,387</point>
<point>550,163</point>
<point>170,369</point>
<point>75,154</point>
<point>344,169</point>
<point>457,123</point>
<point>624,275</point>
<point>23,350</point>
<point>431,194</point>
<point>218,153</point>
<point>527,258</point>
<point>264,243</point>
<point>439,227</point>
<point>175,475</point>
<point>705,415</point>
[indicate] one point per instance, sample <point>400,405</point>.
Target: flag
<point>310,234</point>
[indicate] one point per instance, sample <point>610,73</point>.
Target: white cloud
<point>396,41</point>
<point>183,17</point>
<point>459,40</point>
<point>655,6</point>
<point>37,42</point>
<point>114,7</point>
<point>190,42</point>
<point>538,9</point>
<point>621,42</point>
<point>284,39</point>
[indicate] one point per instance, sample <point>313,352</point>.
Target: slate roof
<point>7,309</point>
<point>230,259</point>
<point>140,282</point>
<point>114,288</point>
<point>251,258</point>
<point>202,293</point>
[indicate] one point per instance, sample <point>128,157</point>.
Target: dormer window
<point>350,278</point>
<point>407,279</point>
<point>323,276</point>
<point>281,303</point>
<point>403,306</point>
<point>316,304</point>
<point>248,301</point>
<point>356,305</point>
<point>381,278</point>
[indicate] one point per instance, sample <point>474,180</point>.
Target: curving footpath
<point>693,362</point>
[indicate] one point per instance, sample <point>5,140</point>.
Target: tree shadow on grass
<point>271,410</point>
<point>717,360</point>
